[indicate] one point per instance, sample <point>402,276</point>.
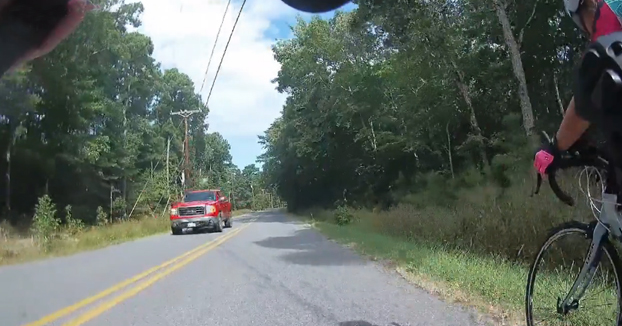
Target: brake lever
<point>538,185</point>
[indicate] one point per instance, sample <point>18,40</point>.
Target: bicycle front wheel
<point>554,271</point>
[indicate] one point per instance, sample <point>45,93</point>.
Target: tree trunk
<point>9,150</point>
<point>517,67</point>
<point>464,90</point>
<point>451,162</point>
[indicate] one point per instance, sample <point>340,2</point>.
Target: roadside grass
<point>490,285</point>
<point>493,285</point>
<point>16,248</point>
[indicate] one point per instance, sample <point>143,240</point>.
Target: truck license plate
<point>191,225</point>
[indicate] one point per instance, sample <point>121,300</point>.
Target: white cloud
<point>244,101</point>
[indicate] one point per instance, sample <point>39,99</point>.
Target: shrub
<point>101,217</point>
<point>72,225</point>
<point>487,219</point>
<point>45,223</point>
<point>343,216</point>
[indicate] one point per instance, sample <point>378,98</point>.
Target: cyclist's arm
<point>76,10</point>
<point>571,128</point>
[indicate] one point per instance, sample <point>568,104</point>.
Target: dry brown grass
<point>16,247</point>
<point>472,250</point>
<point>483,219</point>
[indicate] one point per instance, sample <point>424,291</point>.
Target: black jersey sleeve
<point>585,80</point>
<point>598,80</point>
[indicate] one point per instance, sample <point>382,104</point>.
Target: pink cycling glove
<point>542,161</point>
<point>545,157</point>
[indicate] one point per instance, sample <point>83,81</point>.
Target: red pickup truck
<point>199,210</point>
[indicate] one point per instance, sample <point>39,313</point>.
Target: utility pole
<point>231,192</point>
<point>126,104</point>
<point>252,197</point>
<point>186,114</point>
<point>168,175</point>
<point>112,191</point>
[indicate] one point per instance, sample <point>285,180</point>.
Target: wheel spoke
<point>601,304</point>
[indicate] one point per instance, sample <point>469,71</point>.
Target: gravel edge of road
<point>481,312</point>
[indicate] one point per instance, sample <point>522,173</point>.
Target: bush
<point>72,225</point>
<point>343,216</point>
<point>45,223</point>
<point>486,219</point>
<point>500,167</point>
<point>436,189</point>
<point>5,230</point>
<point>119,207</point>
<point>101,217</point>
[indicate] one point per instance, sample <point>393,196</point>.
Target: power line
<point>213,82</point>
<point>148,181</point>
<point>225,52</point>
<point>214,47</point>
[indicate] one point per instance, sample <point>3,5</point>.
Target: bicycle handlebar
<point>566,199</point>
<point>587,156</point>
<point>581,154</point>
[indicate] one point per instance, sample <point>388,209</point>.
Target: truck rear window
<point>199,196</point>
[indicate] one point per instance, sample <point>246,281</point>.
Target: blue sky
<point>244,102</point>
<point>246,149</point>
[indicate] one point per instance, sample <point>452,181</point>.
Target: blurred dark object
<point>318,6</point>
<point>25,25</point>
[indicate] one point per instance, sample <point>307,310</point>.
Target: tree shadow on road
<point>312,249</point>
<point>362,323</point>
<point>268,217</point>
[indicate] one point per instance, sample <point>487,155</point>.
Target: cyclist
<point>31,37</point>
<point>596,18</point>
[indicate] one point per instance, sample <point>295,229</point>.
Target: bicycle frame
<point>608,223</point>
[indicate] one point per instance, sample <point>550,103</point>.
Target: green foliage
<point>101,217</point>
<point>72,225</point>
<point>119,207</point>
<point>411,103</point>
<point>45,223</point>
<point>423,112</point>
<point>343,215</point>
<point>92,119</point>
<point>500,166</point>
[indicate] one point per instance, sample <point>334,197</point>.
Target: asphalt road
<point>269,271</point>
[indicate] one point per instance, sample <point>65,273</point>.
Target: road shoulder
<point>493,289</point>
<point>20,250</point>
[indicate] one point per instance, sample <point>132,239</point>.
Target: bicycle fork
<point>584,279</point>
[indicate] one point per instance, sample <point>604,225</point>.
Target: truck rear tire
<point>175,231</point>
<point>228,223</point>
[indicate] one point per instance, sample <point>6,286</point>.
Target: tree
<point>91,121</point>
<point>392,98</point>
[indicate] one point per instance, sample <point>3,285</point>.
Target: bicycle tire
<point>565,227</point>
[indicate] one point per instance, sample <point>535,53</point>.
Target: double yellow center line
<point>181,261</point>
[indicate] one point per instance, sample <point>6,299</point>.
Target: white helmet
<point>572,8</point>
